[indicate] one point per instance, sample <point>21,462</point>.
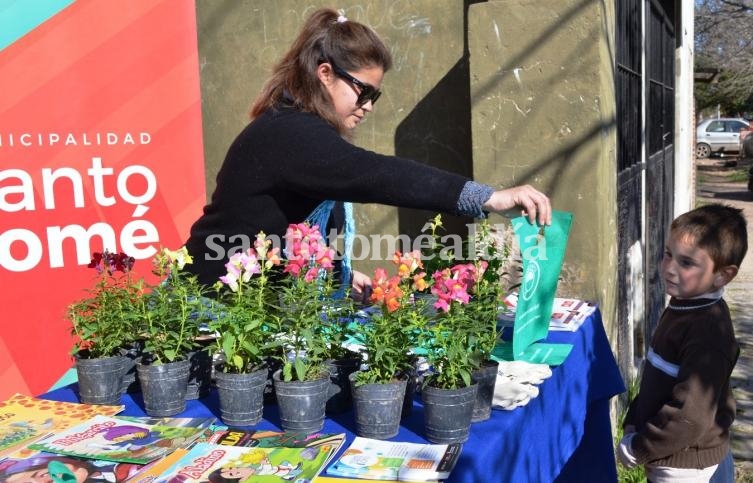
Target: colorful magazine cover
<point>24,419</point>
<point>374,459</point>
<point>270,439</point>
<point>184,422</point>
<point>150,472</point>
<point>213,463</point>
<point>37,468</point>
<point>113,439</point>
<point>275,439</point>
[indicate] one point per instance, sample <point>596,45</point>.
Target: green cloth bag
<point>543,251</point>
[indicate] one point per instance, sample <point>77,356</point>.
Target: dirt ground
<point>725,181</point>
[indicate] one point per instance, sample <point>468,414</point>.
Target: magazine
<point>24,419</point>
<point>84,469</point>
<point>185,422</point>
<point>373,459</point>
<point>275,439</point>
<point>212,462</point>
<point>271,439</point>
<point>153,470</point>
<point>112,439</point>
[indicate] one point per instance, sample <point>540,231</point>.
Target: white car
<point>720,135</point>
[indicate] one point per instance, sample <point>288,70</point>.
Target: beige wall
<point>416,117</point>
<point>543,113</point>
<point>533,103</point>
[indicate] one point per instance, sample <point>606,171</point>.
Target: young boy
<point>678,424</point>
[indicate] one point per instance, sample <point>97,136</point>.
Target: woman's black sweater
<point>283,165</point>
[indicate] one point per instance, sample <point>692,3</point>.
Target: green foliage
<point>724,95</point>
<point>489,253</point>
<point>628,475</point>
<point>389,339</point>
<point>462,336</point>
<point>305,306</point>
<point>448,342</point>
<point>437,255</point>
<point>338,329</point>
<point>391,335</point>
<point>107,320</point>
<point>247,319</point>
<point>173,310</point>
<point>245,337</point>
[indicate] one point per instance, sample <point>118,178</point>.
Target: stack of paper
<point>567,314</point>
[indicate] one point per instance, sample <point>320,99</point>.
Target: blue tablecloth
<point>563,435</point>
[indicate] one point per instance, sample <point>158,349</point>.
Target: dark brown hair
<point>350,45</point>
<point>719,229</point>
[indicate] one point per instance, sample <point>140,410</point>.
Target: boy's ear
<point>725,275</point>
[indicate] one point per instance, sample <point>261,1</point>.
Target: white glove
<point>523,372</point>
<point>510,394</point>
<point>625,451</point>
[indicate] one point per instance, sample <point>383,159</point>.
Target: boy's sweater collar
<point>698,302</point>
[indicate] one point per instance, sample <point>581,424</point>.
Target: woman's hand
<point>361,287</point>
<point>534,204</point>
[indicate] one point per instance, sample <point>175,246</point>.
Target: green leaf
<point>238,362</point>
<point>300,369</point>
<point>228,342</point>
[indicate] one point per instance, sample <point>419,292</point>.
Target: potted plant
<point>246,325</point>
<point>104,325</point>
<point>172,313</point>
<point>388,341</point>
<point>489,251</point>
<point>301,386</point>
<point>449,392</point>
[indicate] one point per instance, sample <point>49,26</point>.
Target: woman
<point>295,155</point>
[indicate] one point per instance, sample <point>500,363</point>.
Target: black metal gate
<point>658,81</point>
<point>660,121</point>
<point>629,82</point>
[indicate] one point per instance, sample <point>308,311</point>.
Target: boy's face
<point>688,270</point>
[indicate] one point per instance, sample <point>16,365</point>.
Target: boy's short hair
<point>719,229</point>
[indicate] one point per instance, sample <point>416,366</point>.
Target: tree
<point>724,41</point>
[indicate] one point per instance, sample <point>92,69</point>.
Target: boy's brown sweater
<point>685,408</point>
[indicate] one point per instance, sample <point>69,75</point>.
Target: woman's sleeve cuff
<point>472,199</point>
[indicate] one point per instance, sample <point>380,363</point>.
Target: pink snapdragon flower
<point>455,284</point>
<point>306,251</point>
<point>241,267</point>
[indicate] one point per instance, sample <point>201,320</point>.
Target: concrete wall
<point>523,94</point>
<point>543,112</point>
<point>424,113</point>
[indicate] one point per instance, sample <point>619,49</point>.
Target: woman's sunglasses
<point>366,92</point>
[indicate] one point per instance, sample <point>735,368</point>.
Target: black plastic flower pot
<point>447,413</point>
<point>301,403</point>
<point>486,378</point>
<point>241,396</point>
<point>273,365</point>
<point>200,375</point>
<point>410,393</point>
<point>132,355</point>
<point>378,408</point>
<point>163,387</point>
<point>100,379</point>
<point>339,397</point>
